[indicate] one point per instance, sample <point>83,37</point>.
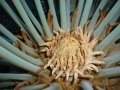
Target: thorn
<point>94,67</point>
<point>54,70</point>
<point>97,53</point>
<point>43,50</point>
<point>56,33</point>
<point>97,62</point>
<point>44,44</point>
<point>46,66</point>
<point>61,31</point>
<point>51,65</point>
<point>67,75</point>
<point>59,74</point>
<point>76,70</point>
<point>75,76</point>
<point>89,68</point>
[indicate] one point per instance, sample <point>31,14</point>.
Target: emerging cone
<point>71,55</point>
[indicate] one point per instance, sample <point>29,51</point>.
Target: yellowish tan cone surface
<point>71,55</point>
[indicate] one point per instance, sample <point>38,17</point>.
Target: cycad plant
<point>72,47</point>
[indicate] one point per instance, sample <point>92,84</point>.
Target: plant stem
<point>52,9</point>
<point>72,5</point>
<point>43,18</point>
<point>86,11</point>
<point>96,15</point>
<point>6,84</point>
<point>111,38</point>
<point>19,53</point>
<point>79,12</point>
<point>34,87</point>
<point>63,15</point>
<point>11,12</point>
<point>54,86</point>
<point>14,16</point>
<point>10,57</point>
<point>68,13</point>
<point>9,35</point>
<point>27,21</point>
<point>107,19</point>
<point>8,76</point>
<point>111,60</point>
<point>108,72</point>
<point>115,18</point>
<point>32,17</point>
<point>86,85</point>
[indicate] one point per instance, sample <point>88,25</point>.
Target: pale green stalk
<point>14,16</point>
<point>8,76</point>
<point>117,52</point>
<point>27,21</point>
<point>11,13</point>
<point>115,18</point>
<point>32,17</point>
<point>108,72</point>
<point>72,5</point>
<point>43,18</point>
<point>68,13</point>
<point>107,19</point>
<point>63,15</point>
<point>10,57</point>
<point>34,87</point>
<point>54,86</point>
<point>111,38</point>
<point>6,84</point>
<point>29,50</point>
<point>96,15</point>
<point>7,39</point>
<point>19,53</point>
<point>111,60</point>
<point>52,10</point>
<point>9,35</point>
<point>86,85</point>
<point>79,12</point>
<point>86,11</point>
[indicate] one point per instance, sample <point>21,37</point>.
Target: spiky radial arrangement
<point>81,53</point>
<point>71,55</point>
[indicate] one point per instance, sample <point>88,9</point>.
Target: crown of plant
<point>71,55</point>
<point>77,51</point>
